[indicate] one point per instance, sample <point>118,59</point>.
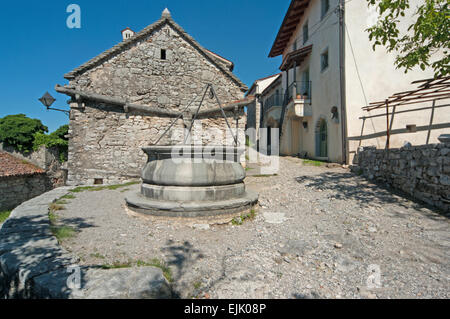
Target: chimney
<point>127,33</point>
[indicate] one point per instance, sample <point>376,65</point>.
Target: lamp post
<point>48,100</point>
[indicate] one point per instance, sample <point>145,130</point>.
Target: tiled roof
<point>13,166</point>
<point>295,12</point>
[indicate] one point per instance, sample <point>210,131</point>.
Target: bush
<point>56,139</point>
<point>19,131</point>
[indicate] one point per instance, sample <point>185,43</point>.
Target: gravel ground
<point>318,233</point>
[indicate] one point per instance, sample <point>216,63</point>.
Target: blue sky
<point>38,48</point>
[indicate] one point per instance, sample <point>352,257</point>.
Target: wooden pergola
<point>429,90</point>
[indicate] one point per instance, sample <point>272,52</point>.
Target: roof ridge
<point>147,30</point>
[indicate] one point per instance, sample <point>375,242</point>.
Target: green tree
<point>19,131</point>
<point>57,139</point>
<point>427,40</point>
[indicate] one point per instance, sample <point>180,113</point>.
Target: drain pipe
<point>344,133</point>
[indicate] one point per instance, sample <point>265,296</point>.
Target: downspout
<point>342,81</point>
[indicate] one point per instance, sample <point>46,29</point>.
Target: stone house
<point>126,97</point>
<point>254,111</point>
<point>20,181</point>
<point>329,73</point>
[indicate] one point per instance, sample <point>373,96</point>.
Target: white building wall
<point>380,79</point>
<point>323,35</point>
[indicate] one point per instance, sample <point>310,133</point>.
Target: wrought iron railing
<point>301,90</point>
<point>273,100</point>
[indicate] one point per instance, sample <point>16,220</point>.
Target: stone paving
<point>319,232</point>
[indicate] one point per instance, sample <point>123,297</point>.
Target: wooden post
<point>431,121</point>
<point>387,126</point>
<point>392,118</point>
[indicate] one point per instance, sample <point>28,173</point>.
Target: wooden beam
<point>399,131</point>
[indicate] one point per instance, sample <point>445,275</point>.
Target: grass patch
<point>117,265</point>
<point>241,219</point>
<point>52,217</point>
<point>98,256</point>
<point>155,262</point>
<point>62,232</point>
<point>68,196</point>
<point>197,285</point>
<point>4,215</point>
<point>312,163</point>
<point>59,231</point>
<point>248,168</point>
<point>100,188</point>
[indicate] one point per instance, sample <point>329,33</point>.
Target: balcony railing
<point>301,89</point>
<point>273,100</point>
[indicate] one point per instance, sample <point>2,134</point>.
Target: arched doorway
<point>322,138</point>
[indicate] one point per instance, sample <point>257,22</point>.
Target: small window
<point>294,45</point>
<point>98,181</point>
<point>324,61</point>
<point>163,54</point>
<point>305,32</point>
<point>325,7</point>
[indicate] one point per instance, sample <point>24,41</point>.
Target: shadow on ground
<point>29,253</point>
<point>365,193</point>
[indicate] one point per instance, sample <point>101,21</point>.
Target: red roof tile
<point>13,166</point>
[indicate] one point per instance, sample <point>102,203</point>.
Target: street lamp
<point>48,100</point>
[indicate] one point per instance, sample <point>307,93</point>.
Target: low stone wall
<point>420,171</point>
<point>14,190</point>
<point>34,265</point>
<point>45,158</point>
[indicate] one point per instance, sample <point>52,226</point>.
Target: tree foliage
<point>19,131</point>
<point>427,40</point>
<point>56,139</point>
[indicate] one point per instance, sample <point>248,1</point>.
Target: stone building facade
<point>125,98</point>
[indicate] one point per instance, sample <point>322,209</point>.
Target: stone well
<point>192,181</point>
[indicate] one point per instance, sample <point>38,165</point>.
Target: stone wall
<point>14,190</point>
<point>34,266</point>
<point>45,158</point>
<point>105,142</point>
<point>420,171</point>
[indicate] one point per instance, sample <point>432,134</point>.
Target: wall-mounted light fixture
<point>48,100</point>
<point>305,125</point>
<point>335,114</point>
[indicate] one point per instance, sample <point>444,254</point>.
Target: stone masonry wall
<point>105,142</point>
<point>420,171</point>
<point>45,158</point>
<point>15,190</point>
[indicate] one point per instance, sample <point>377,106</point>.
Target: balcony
<point>273,100</point>
<point>299,91</point>
<point>299,99</point>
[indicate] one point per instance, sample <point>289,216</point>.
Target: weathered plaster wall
<point>381,79</point>
<point>105,142</point>
<point>420,171</point>
<point>325,89</point>
<point>15,190</point>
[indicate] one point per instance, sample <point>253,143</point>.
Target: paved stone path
<point>319,233</point>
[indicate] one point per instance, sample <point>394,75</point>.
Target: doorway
<point>322,138</point>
